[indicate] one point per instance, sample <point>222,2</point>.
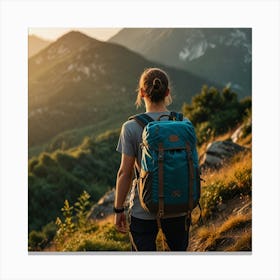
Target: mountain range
<point>36,44</point>
<point>78,82</point>
<point>223,55</point>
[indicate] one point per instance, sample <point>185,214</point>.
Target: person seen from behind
<point>143,226</point>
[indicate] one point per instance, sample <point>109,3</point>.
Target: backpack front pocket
<point>145,190</point>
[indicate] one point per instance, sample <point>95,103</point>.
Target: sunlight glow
<point>52,34</point>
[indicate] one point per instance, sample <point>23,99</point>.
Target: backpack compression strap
<point>191,176</point>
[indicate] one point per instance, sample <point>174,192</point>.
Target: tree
<point>213,112</point>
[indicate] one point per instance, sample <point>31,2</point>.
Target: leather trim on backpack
<point>160,180</point>
<point>191,176</point>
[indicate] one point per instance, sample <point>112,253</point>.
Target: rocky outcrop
<point>218,152</point>
<point>237,134</point>
<point>242,131</point>
<point>104,206</point>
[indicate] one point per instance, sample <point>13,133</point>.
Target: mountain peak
<point>76,38</point>
<point>66,44</point>
<point>74,34</point>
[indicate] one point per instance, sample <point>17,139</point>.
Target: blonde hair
<point>155,83</point>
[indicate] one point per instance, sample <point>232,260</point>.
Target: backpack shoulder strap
<point>141,119</point>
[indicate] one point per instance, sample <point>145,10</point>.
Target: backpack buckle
<point>160,156</point>
<point>160,213</point>
<point>160,152</point>
<point>189,151</point>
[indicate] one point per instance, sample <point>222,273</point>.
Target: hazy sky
<point>53,33</point>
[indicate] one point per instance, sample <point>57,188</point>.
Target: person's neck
<point>153,107</point>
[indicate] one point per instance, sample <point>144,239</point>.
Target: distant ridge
<point>223,55</point>
<point>36,44</point>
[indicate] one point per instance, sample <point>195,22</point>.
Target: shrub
<point>65,160</point>
<point>81,208</point>
<point>36,240</point>
<point>213,112</point>
<point>32,163</point>
<point>46,159</point>
<point>96,244</point>
<point>49,230</point>
<point>110,233</point>
<point>40,170</point>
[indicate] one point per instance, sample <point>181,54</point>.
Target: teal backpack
<point>169,179</point>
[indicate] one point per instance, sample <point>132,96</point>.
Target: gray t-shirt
<point>129,144</point>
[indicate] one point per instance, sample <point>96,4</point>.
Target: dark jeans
<point>144,233</point>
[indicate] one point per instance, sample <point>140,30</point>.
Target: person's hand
<point>120,222</point>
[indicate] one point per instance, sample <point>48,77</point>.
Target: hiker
<point>143,226</point>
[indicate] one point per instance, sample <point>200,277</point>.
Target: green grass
<point>94,236</point>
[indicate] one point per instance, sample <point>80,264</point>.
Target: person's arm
<point>123,184</point>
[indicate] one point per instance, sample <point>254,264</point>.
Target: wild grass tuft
<point>243,243</point>
<point>234,180</point>
<point>234,234</point>
<point>235,223</point>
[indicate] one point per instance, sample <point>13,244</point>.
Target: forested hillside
<point>54,177</point>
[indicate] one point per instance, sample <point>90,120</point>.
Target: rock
<point>221,207</point>
<point>218,152</point>
<point>108,198</point>
<point>241,131</point>
<point>247,208</point>
<point>104,206</point>
<point>237,134</point>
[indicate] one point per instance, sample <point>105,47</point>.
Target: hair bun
<point>157,83</point>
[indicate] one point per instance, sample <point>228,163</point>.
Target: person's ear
<point>167,92</point>
<point>142,91</point>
